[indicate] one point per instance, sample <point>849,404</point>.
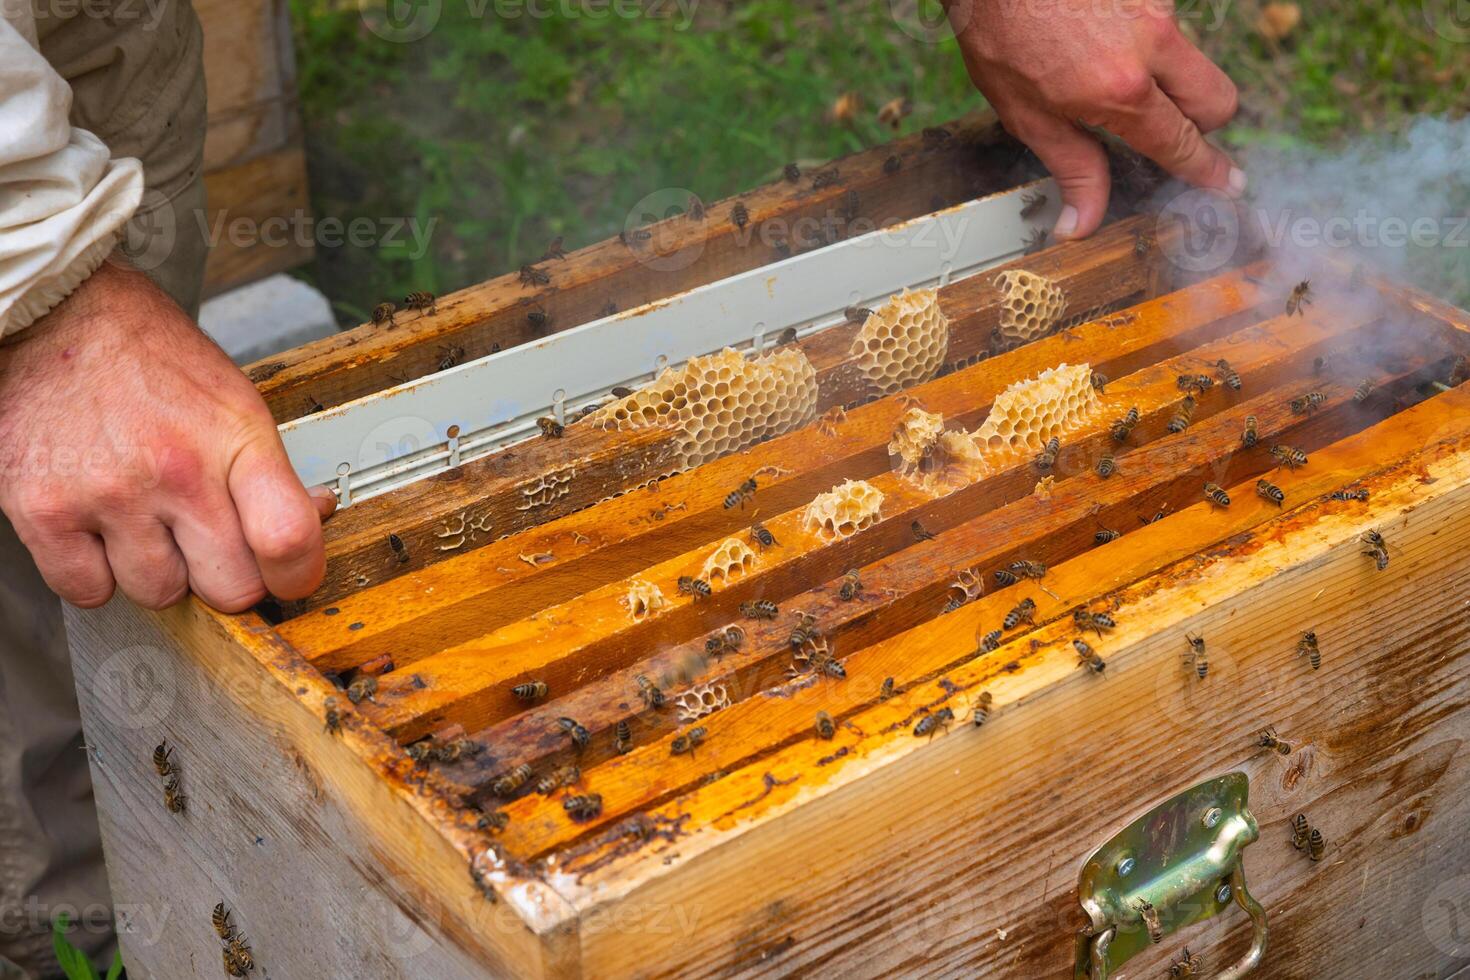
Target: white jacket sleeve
<point>63,199</point>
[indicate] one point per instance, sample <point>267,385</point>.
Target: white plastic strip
<point>381,441</point>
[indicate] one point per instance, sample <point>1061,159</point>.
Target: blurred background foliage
<point>513,130</point>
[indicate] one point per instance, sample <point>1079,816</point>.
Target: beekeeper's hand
<point>1046,65</point>
<point>134,455</point>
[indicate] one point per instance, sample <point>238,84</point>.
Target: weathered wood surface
<point>243,201</point>
<point>680,253</point>
<point>1098,274</point>
<point>994,830</point>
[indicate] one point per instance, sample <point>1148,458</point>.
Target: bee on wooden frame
<point>1198,655</point>
<point>825,727</point>
<point>1316,845</point>
<point>1364,390</point>
<point>496,820</point>
<point>1100,382</point>
<point>539,319</point>
<point>852,585</point>
<point>161,760</point>
<point>697,588</point>
<point>885,690</point>
<point>791,172</point>
<point>1142,243</point>
<point>554,250</point>
<point>1024,612</point>
<point>741,495</point>
<point>740,215</point>
<point>1107,465</point>
<point>1360,494</point>
<point>1216,495</point>
<point>173,794</point>
<point>930,724</point>
<point>1183,415</point>
<point>422,300</point>
<point>331,717</point>
<point>383,313</point>
<point>686,743</point>
<point>1271,492</point>
<point>805,631</point>
<point>1031,205</point>
<point>635,237</point>
<point>1228,376</point>
<point>892,164</point>
<point>1307,647</point>
<point>695,208</point>
<point>981,713</point>
<point>220,919</point>
<point>1377,547</point>
<point>530,691</point>
<point>533,276</point>
<point>1106,535</point>
<point>1300,830</point>
<point>1301,295</point>
<point>622,737</point>
<point>362,689</point>
<point>1268,740</point>
<point>566,776</point>
<point>237,948</point>
<point>919,533</point>
<point>1047,458</point>
<point>1188,965</point>
<point>582,808</point>
<point>1308,403</point>
<point>1123,426</point>
<point>1195,382</point>
<point>990,642</point>
<point>759,609</point>
<point>232,965</point>
<point>857,314</point>
<point>650,692</point>
<point>1252,433</point>
<point>1288,457</point>
<point>399,549</point>
<point>579,735</point>
<point>550,427</point>
<point>1088,657</point>
<point>825,178</point>
<point>507,784</point>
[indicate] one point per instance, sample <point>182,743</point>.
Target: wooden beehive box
<point>381,838</point>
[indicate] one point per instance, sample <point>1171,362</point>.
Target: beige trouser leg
<point>150,106</point>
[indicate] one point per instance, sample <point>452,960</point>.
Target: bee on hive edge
<point>791,172</point>
<point>399,549</point>
<point>554,250</point>
<point>1307,647</point>
<point>1299,831</point>
<point>1150,916</point>
<point>892,164</point>
<point>496,820</point>
<point>1360,494</point>
<point>686,744</point>
<point>762,536</point>
<point>1308,403</point>
<point>1004,576</point>
<point>1216,495</point>
<point>635,237</point>
<point>1035,242</point>
<point>1088,657</point>
<point>566,776</point>
<point>422,751</point>
<point>1188,965</point>
<point>825,178</point>
<point>759,609</point>
<point>1377,547</point>
<point>1228,376</point>
<point>1316,845</point>
<point>233,966</point>
<point>161,759</point>
<point>1198,655</point>
<point>695,208</point>
<point>507,784</point>
<point>1364,390</point>
<point>530,691</point>
<point>621,392</point>
<point>173,794</point>
<point>852,585</point>
<point>1028,569</point>
<point>1100,382</point>
<point>1268,740</point>
<point>539,319</point>
<point>857,314</point>
<point>919,533</point>
<point>1183,416</point>
<point>585,807</point>
<point>1271,492</point>
<point>238,948</point>
<point>1031,205</point>
<point>532,276</point>
<point>383,313</point>
<point>894,111</point>
<point>1123,426</point>
<point>623,738</point>
<point>331,718</point>
<point>805,631</point>
<point>1106,535</point>
<point>825,728</point>
<point>741,494</point>
<point>579,735</point>
<point>649,692</point>
<point>990,642</point>
<point>929,724</point>
<point>550,427</point>
<point>885,690</point>
<point>421,299</point>
<point>460,748</point>
<point>981,713</point>
<point>1047,458</point>
<point>1195,382</point>
<point>696,587</point>
<point>1288,457</point>
<point>363,689</point>
<point>1107,465</point>
<point>740,215</point>
<point>1252,433</point>
<point>1024,612</point>
<point>220,919</point>
<point>1301,295</point>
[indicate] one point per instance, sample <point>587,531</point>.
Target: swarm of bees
<point>238,960</point>
<point>1377,548</point>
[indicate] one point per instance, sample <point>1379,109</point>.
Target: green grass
<point>74,962</point>
<point>512,131</point>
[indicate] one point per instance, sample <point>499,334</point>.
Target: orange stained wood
<point>936,664</point>
<point>598,633</point>
<point>468,594</point>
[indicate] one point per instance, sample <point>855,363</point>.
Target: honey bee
<point>1150,916</point>
<point>422,751</point>
<point>507,784</point>
<point>621,392</point>
<point>1106,535</point>
<point>1097,622</point>
<point>787,336</point>
<point>981,714</point>
<point>421,300</point>
<point>623,738</point>
<point>586,807</point>
<point>383,313</point>
<point>1031,205</point>
<point>1028,569</point>
<point>1123,426</point>
<point>1360,494</point>
<point>937,135</point>
<point>929,724</point>
<point>649,692</point>
<point>530,691</point>
<point>825,728</point>
<point>1307,647</point>
<point>1271,492</point>
<point>1024,612</point>
<point>1288,457</point>
<point>686,744</point>
<point>532,276</point>
<point>857,314</point>
<point>1316,845</point>
<point>1228,377</point>
<point>1047,458</point>
<point>399,549</point>
<point>1364,390</point>
<point>741,494</point>
<point>1195,382</point>
<point>1217,496</point>
<point>1268,740</point>
<point>240,950</point>
<point>1100,382</point>
<point>892,164</point>
<point>791,172</point>
<point>1035,242</point>
<point>460,748</point>
<point>496,820</point>
<point>220,919</point>
<point>1107,465</point>
<point>233,966</point>
<point>1087,657</point>
<point>363,688</point>
<point>635,237</point>
<point>696,587</point>
<point>1158,516</point>
<point>554,250</point>
<point>885,690</point>
<point>566,776</point>
<point>579,735</point>
<point>825,178</point>
<point>740,215</point>
<point>1183,415</point>
<point>805,631</point>
<point>1198,655</point>
<point>1299,831</point>
<point>1188,965</point>
<point>695,208</point>
<point>1377,547</point>
<point>331,718</point>
<point>990,642</point>
<point>1301,295</point>
<point>734,638</point>
<point>759,609</point>
<point>173,794</point>
<point>919,533</point>
<point>1252,433</point>
<point>827,424</point>
<point>161,759</point>
<point>1307,403</point>
<point>894,111</point>
<point>539,320</point>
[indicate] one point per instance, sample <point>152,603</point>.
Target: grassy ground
<point>513,130</point>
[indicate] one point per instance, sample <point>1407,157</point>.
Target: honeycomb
<point>969,585</point>
<point>705,699</point>
<point>902,342</point>
<point>1028,413</point>
<point>916,437</point>
<point>844,510</point>
<point>643,598</point>
<point>1030,305</point>
<point>721,403</point>
<point>731,557</point>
